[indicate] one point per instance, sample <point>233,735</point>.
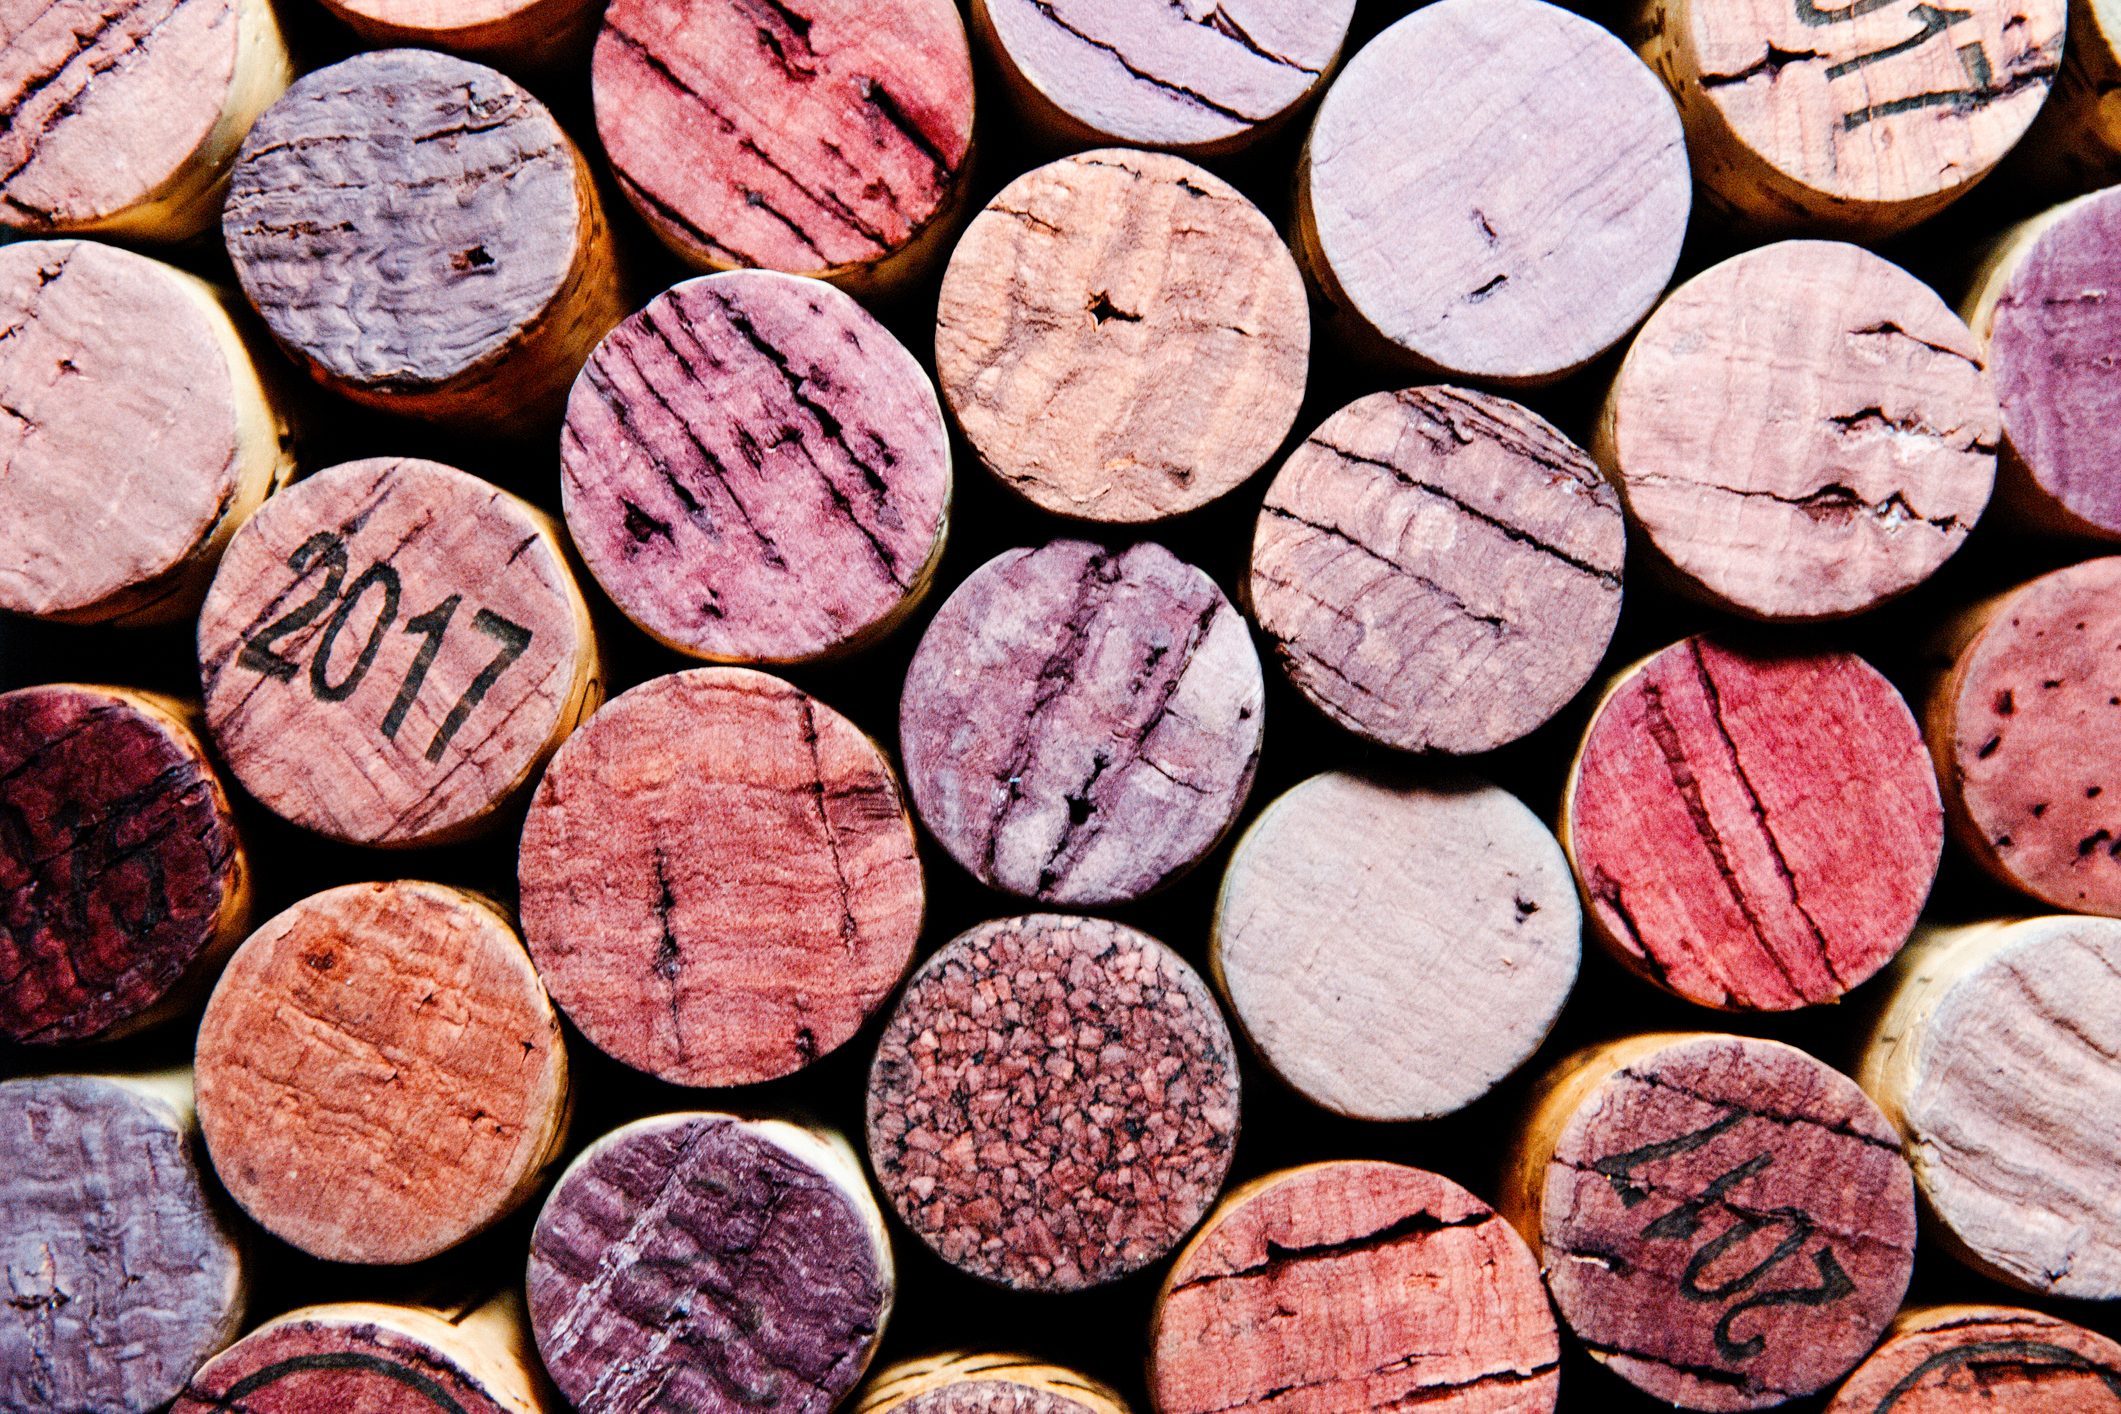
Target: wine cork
<point>1802,432</point>
<point>1122,336</point>
<point>1438,570</point>
<point>421,236</point>
<point>829,140</point>
<point>391,649</point>
<point>521,34</point>
<point>1194,77</point>
<point>1054,1102</point>
<point>380,1073</point>
<point>756,470</point>
<point>1493,190</point>
<point>136,430</point>
<point>712,1264</point>
<point>1081,726</point>
<point>124,879</point>
<point>1754,832</point>
<point>1947,1359</point>
<point>1862,117</point>
<point>1995,1043</point>
<point>2074,145</point>
<point>1394,950</point>
<point>719,880</point>
<point>1724,1222</point>
<point>122,1274</point>
<point>1361,1285</point>
<point>76,80</point>
<point>985,1384</point>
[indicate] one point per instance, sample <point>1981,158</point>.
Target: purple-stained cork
<point>1054,1103</point>
<point>1081,725</point>
<point>991,1397</point>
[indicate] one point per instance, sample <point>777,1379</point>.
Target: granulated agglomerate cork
<point>1054,1103</point>
<point>1998,1359</point>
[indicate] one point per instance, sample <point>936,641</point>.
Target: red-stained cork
<point>1999,1359</point>
<point>1753,832</point>
<point>1054,1103</point>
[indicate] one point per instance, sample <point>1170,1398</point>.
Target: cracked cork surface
<point>1724,1222</point>
<point>719,879</point>
<point>390,650</point>
<point>1081,726</point>
<point>1054,1102</point>
<point>1122,336</point>
<point>756,470</point>
<point>380,1074</point>
<point>1438,570</point>
<point>965,1383</point>
<point>1753,832</point>
<point>1949,1359</point>
<point>1803,432</point>
<point>710,1264</point>
<point>121,1274</point>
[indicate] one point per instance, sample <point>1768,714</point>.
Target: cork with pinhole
<point>966,1383</point>
<point>2074,144</point>
<point>391,650</point>
<point>536,36</point>
<point>2005,1359</point>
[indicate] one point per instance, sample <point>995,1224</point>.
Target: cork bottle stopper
<point>1394,950</point>
<point>719,880</point>
<point>827,140</point>
<point>122,1275</point>
<point>1995,1044</point>
<point>1122,336</point>
<point>756,470</point>
<point>1948,1359</point>
<point>1802,432</point>
<point>380,1073</point>
<point>124,882</point>
<point>1363,1285</point>
<point>985,1384</point>
<point>1054,1102</point>
<point>2075,143</point>
<point>1080,726</point>
<point>419,233</point>
<point>1438,570</point>
<point>532,34</point>
<point>1724,1222</point>
<point>137,435</point>
<point>391,649</point>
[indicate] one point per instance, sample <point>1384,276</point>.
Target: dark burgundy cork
<point>121,1275</point>
<point>2000,1360</point>
<point>340,1359</point>
<point>121,876</point>
<point>1054,1103</point>
<point>756,470</point>
<point>704,1263</point>
<point>1081,725</point>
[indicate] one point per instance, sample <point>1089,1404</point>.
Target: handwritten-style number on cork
<point>1934,20</point>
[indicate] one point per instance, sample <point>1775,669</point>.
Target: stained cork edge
<point>910,1379</point>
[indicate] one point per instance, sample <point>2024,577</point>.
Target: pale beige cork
<point>523,34</point>
<point>963,1382</point>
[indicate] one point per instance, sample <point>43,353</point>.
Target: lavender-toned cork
<point>1080,726</point>
<point>1054,1103</point>
<point>712,1264</point>
<point>756,470</point>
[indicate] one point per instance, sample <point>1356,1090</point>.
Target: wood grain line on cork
<point>1997,1053</point>
<point>421,236</point>
<point>380,1073</point>
<point>713,1264</point>
<point>532,35</point>
<point>1054,1102</point>
<point>1081,725</point>
<point>1724,1222</point>
<point>756,470</point>
<point>1948,1359</point>
<point>719,880</point>
<point>966,1383</point>
<point>391,649</point>
<point>1122,336</point>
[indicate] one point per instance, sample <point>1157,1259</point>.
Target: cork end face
<point>1998,1358</point>
<point>992,1397</point>
<point>341,1358</point>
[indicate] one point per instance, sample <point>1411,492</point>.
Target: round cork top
<point>969,1383</point>
<point>1393,950</point>
<point>1803,431</point>
<point>1194,75</point>
<point>1524,206</point>
<point>2000,1359</point>
<point>120,870</point>
<point>377,1359</point>
<point>711,1264</point>
<point>1080,726</point>
<point>719,879</point>
<point>1438,570</point>
<point>1122,336</point>
<point>1054,1103</point>
<point>810,139</point>
<point>1354,1285</point>
<point>755,469</point>
<point>110,1242</point>
<point>390,649</point>
<point>992,1397</point>
<point>379,1073</point>
<point>1725,1222</point>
